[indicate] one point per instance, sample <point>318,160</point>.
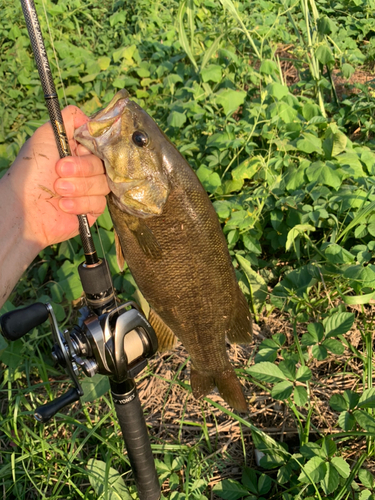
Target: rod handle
<point>132,422</point>
<point>15,324</point>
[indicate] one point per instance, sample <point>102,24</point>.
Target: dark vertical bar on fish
<point>50,95</point>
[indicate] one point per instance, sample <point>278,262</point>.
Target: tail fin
<point>227,383</point>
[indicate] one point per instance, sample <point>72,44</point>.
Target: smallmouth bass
<point>169,235</point>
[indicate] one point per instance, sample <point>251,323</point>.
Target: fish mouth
<point>102,121</point>
<point>114,108</point>
<point>108,117</point>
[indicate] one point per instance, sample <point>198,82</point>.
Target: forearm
<point>17,248</point>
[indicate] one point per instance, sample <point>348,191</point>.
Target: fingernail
<point>64,186</point>
<point>66,204</point>
<point>68,168</point>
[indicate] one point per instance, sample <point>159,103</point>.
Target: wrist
<point>17,249</point>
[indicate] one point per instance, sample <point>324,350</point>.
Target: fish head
<point>130,143</point>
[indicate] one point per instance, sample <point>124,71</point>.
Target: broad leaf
<point>282,390</point>
<point>338,324</point>
<point>314,470</point>
<point>367,400</point>
<point>229,489</point>
<point>341,466</point>
<point>300,396</point>
<point>106,481</point>
<point>267,372</point>
<point>331,479</point>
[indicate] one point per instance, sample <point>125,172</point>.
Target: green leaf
<point>309,143</point>
<point>258,286</point>
<point>229,489</point>
<point>331,480</point>
<point>277,90</point>
<point>105,220</point>
<point>347,70</point>
<point>324,173</point>
<point>106,481</point>
<point>176,119</point>
<point>268,67</point>
<point>338,403</point>
<point>267,372</point>
<point>104,62</point>
<point>288,368</point>
<point>94,387</point>
<point>365,420</point>
<point>338,255</point>
<point>250,480</point>
<point>324,54</point>
<point>247,169</point>
<point>334,144</point>
<point>314,470</point>
<point>316,331</point>
<point>334,346</point>
<point>211,73</point>
<point>366,478</point>
<point>324,26</point>
<point>319,352</point>
<point>282,390</point>
<point>299,229</point>
<point>341,466</point>
<point>303,374</point>
<point>329,447</point>
<point>284,474</point>
<point>264,484</point>
<point>367,399</point>
<point>346,421</point>
<point>210,180</point>
<point>300,396</point>
<point>338,324</point>
<point>230,99</point>
<point>365,495</point>
<point>352,398</point>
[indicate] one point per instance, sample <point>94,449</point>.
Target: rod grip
<point>15,324</point>
<point>132,422</point>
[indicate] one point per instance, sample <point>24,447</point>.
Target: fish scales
<point>173,245</point>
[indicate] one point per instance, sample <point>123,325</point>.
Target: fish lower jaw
<point>143,214</point>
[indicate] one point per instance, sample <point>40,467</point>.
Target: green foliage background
<point>290,169</point>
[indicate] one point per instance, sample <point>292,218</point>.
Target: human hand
<point>53,191</point>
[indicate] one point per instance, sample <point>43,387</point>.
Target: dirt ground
<point>172,412</point>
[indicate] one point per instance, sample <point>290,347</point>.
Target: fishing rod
<point>111,340</point>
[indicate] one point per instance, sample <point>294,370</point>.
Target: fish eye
<point>140,138</point>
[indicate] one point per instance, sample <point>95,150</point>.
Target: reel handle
<point>15,324</point>
<point>49,410</point>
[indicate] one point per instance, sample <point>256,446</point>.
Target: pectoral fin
<point>166,338</point>
<point>119,254</point>
<point>145,237</point>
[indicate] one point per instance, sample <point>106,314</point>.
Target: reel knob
<point>15,324</point>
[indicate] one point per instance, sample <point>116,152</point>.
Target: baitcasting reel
<point>116,343</point>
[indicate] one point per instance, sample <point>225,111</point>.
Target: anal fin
<point>166,338</point>
<point>229,387</point>
<point>241,327</point>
